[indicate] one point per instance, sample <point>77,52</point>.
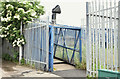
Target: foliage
<point>15,14</point>
<point>89,77</point>
<point>6,57</point>
<point>81,65</point>
<point>22,61</point>
<point>16,57</point>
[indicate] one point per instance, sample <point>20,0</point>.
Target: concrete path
<point>10,69</point>
<point>64,70</point>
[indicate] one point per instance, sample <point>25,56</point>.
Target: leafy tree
<point>15,13</point>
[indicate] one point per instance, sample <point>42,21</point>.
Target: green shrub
<point>16,57</point>
<point>7,57</point>
<point>22,61</point>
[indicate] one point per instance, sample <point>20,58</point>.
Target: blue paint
<point>51,48</point>
<point>80,46</point>
<point>62,31</point>
<point>75,44</point>
<point>67,47</point>
<point>56,42</point>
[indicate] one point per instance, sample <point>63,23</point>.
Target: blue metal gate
<point>65,43</point>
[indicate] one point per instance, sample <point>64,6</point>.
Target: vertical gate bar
<point>103,35</point>
<point>93,38</point>
<point>20,48</point>
<point>27,47</point>
<point>96,38</point>
<point>47,43</point>
<point>111,36</point>
<point>99,34</point>
<point>44,49</point>
<point>115,37</point>
<point>25,44</point>
<point>32,44</point>
<point>119,36</point>
<point>80,45</point>
<point>37,44</point>
<point>40,45</point>
<point>87,36</point>
<point>52,49</point>
<point>90,50</point>
<point>44,44</point>
<point>107,31</point>
<point>109,39</point>
<point>37,25</point>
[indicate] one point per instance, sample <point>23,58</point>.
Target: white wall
<point>72,11</point>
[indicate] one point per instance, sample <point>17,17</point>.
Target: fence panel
<point>36,49</point>
<point>102,35</point>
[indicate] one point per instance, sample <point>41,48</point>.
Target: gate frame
<point>52,49</point>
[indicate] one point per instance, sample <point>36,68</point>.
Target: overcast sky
<point>72,11</point>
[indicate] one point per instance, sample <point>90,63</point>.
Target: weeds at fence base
<point>7,57</point>
<point>81,65</point>
<point>22,61</point>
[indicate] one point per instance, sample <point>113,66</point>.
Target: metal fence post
<point>20,48</point>
<point>51,48</point>
<point>119,35</point>
<point>47,43</point>
<point>87,36</point>
<point>80,45</point>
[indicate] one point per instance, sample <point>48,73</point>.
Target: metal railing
<point>102,36</point>
<point>36,49</point>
